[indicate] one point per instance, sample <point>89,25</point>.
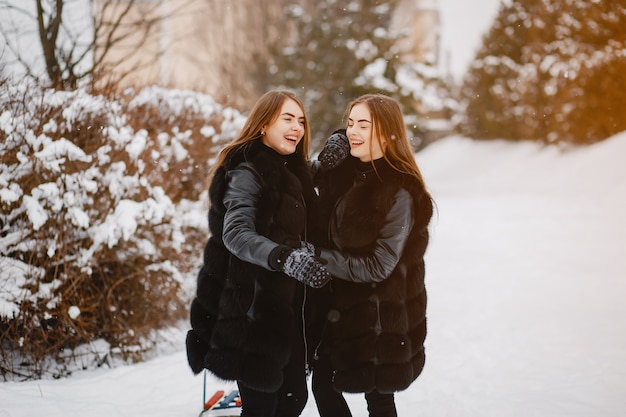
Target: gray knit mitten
<point>336,149</point>
<point>307,247</point>
<point>303,266</point>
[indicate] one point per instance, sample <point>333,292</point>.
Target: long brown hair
<point>389,129</point>
<point>265,111</point>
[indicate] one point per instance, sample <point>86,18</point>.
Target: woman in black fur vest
<point>245,318</point>
<point>376,209</point>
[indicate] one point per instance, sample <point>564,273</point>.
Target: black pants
<point>331,403</point>
<point>285,402</point>
<point>381,405</point>
<point>290,399</point>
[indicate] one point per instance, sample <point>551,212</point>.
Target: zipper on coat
<point>307,368</point>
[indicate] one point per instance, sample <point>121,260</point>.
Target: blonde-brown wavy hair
<point>265,111</point>
<point>389,129</point>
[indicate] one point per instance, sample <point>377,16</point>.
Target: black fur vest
<point>377,339</point>
<point>243,315</point>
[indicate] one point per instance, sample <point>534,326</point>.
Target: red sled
<point>221,404</point>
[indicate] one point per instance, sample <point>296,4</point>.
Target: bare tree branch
<point>48,34</point>
<point>116,26</point>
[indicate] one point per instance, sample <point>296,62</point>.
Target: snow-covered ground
<point>526,274</point>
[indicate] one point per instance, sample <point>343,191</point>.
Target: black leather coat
<point>243,318</point>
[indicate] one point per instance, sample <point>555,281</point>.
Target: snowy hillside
<point>526,274</point>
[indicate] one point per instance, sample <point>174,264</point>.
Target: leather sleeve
<point>388,247</point>
<point>241,200</point>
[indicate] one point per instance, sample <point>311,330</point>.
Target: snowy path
<point>526,276</point>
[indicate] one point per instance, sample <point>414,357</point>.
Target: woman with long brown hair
<point>376,210</point>
<point>245,318</point>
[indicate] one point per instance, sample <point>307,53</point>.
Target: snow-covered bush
<point>99,226</point>
<point>552,70</point>
<point>186,129</point>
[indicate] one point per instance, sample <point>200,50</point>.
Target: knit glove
<point>336,149</point>
<point>294,244</point>
<point>299,264</point>
<point>307,247</point>
<point>304,267</point>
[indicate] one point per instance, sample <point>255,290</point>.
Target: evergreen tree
<point>340,51</point>
<point>550,70</point>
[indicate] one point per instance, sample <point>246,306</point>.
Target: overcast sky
<point>463,24</point>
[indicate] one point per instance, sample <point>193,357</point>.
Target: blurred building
<point>221,47</point>
<point>206,45</point>
<point>417,23</point>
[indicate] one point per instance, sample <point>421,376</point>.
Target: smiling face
<point>285,132</point>
<point>364,144</point>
